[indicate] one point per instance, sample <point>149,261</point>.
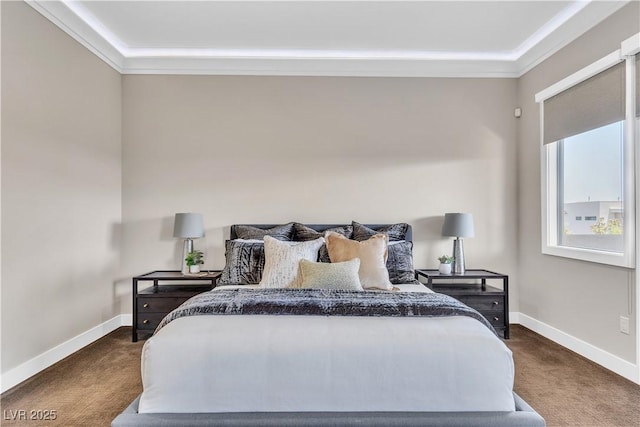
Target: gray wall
<point>580,298</point>
<point>61,186</point>
<point>317,149</point>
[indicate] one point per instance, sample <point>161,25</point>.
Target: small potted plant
<point>193,260</point>
<point>445,264</point>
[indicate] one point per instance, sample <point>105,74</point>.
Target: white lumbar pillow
<point>331,275</point>
<point>282,261</point>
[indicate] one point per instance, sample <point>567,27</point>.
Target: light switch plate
<point>624,325</point>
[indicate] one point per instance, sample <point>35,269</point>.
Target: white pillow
<point>336,275</point>
<point>282,261</point>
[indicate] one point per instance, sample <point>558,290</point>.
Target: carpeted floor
<point>569,390</point>
<point>90,387</point>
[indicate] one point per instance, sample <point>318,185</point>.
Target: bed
<point>395,367</point>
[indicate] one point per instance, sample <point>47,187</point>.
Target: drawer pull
<point>147,305</point>
<point>496,303</point>
<point>145,321</point>
<point>496,318</point>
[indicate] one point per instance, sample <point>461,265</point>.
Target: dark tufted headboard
<point>317,227</point>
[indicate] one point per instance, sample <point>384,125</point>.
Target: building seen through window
<point>590,168</point>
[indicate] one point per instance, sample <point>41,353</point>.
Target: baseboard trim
<point>126,319</point>
<point>603,358</point>
<point>31,367</point>
<point>514,317</point>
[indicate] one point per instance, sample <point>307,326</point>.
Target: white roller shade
<point>593,103</point>
<point>638,85</point>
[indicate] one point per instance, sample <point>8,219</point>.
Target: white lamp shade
<point>458,225</point>
<point>188,226</point>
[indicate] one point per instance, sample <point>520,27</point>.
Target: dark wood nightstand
<point>152,304</point>
<point>490,301</point>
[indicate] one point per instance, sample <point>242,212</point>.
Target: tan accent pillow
<point>330,275</point>
<point>373,257</point>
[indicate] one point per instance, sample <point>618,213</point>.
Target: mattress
<point>262,363</point>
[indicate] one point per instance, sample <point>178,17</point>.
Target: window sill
<point>590,255</point>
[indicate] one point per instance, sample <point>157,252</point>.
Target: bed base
<point>524,416</point>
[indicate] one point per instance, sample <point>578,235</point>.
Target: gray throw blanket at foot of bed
<point>322,302</point>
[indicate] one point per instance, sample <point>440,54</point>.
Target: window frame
<point>549,171</point>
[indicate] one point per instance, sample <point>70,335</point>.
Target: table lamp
<point>458,225</point>
<point>188,226</point>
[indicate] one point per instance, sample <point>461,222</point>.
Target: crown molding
<point>58,13</point>
<point>320,67</point>
<point>587,18</point>
<point>573,22</point>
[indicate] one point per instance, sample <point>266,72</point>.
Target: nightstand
<point>492,302</point>
<point>152,304</point>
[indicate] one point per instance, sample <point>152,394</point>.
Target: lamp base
<point>188,247</point>
<point>458,256</point>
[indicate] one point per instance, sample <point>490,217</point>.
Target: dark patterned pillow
<point>400,263</point>
<point>302,233</point>
<point>323,254</point>
<point>396,232</point>
<point>244,263</point>
<point>280,232</point>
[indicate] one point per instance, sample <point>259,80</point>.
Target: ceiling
<point>359,38</point>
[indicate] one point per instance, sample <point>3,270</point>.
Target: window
<point>590,182</point>
<point>587,165</point>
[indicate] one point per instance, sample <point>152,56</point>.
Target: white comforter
<point>259,363</point>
